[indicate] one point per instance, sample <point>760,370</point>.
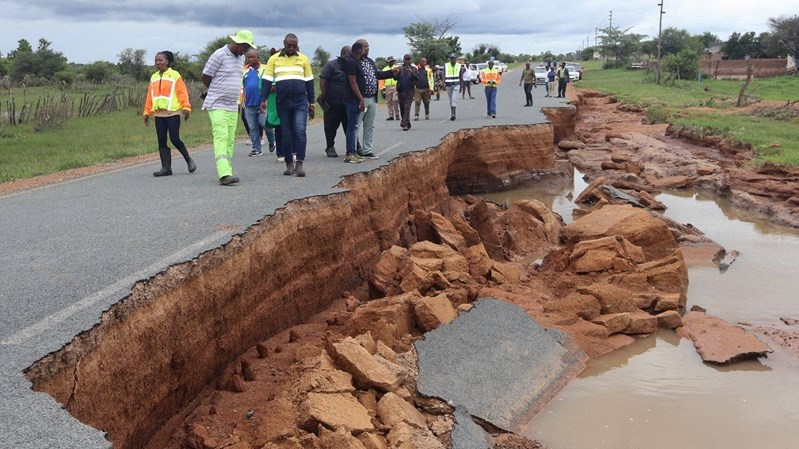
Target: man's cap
<point>244,37</point>
<point>390,59</point>
<point>452,55</point>
<point>407,56</point>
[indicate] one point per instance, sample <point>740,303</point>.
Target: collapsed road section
<point>158,348</point>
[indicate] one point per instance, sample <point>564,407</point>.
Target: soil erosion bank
<point>152,353</point>
<point>298,333</point>
<point>613,140</point>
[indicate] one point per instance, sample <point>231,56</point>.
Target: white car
<point>574,72</point>
<point>540,75</point>
<point>499,65</point>
<point>477,68</point>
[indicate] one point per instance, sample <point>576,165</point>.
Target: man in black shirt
<point>369,92</point>
<point>334,83</point>
<point>354,99</point>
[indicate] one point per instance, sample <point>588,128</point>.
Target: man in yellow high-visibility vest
<point>391,96</point>
<point>453,78</point>
<point>490,77</point>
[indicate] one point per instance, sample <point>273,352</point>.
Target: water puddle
<point>657,393</point>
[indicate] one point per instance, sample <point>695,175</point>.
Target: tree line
<point>431,39</point>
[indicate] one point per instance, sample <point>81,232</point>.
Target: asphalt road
<point>73,249</point>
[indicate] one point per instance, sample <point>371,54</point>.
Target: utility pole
<point>611,19</point>
<point>660,30</point>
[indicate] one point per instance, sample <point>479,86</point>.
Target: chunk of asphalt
<point>467,434</point>
<point>497,363</point>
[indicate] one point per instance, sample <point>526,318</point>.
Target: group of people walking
<point>277,98</point>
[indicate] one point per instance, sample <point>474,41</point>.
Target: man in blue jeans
<point>369,93</point>
<point>255,119</point>
<point>293,77</point>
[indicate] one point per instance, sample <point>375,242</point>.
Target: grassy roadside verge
<point>82,142</point>
<point>708,108</point>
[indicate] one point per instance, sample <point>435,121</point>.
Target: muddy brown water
<point>657,393</point>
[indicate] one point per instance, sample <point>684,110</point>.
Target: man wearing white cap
<point>222,77</point>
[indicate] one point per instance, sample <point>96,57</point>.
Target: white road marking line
<point>389,148</point>
<point>60,316</point>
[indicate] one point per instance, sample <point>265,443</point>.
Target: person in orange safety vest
<point>167,99</point>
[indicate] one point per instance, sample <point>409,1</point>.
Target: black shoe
<point>162,172</point>
<point>390,119</point>
<point>166,162</point>
<point>368,155</point>
<point>272,147</point>
<point>228,180</point>
<point>298,170</point>
<point>331,152</point>
<point>289,168</point>
<point>192,165</point>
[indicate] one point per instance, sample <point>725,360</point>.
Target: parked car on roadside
<point>577,68</point>
<point>540,75</point>
<point>499,65</point>
<point>476,68</point>
<point>574,72</point>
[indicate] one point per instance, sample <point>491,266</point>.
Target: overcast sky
<point>87,30</point>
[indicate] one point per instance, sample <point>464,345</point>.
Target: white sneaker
<point>281,159</point>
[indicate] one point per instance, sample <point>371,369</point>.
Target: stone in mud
<point>502,273</point>
<point>200,438</point>
<point>389,319</point>
<point>667,301</point>
<point>392,410</point>
<point>662,276</point>
<point>386,352</point>
<point>606,253</point>
<point>649,201</point>
<point>385,276</point>
<point>447,233</point>
<point>586,307</point>
<point>551,222</point>
<point>593,192</point>
<point>372,441</point>
<point>334,411</point>
<point>719,342</point>
<point>467,231</point>
<point>406,436</point>
<point>636,225</point>
<point>568,145</point>
<point>433,312</point>
<point>613,322</point>
<point>340,439</point>
<point>641,323</point>
<point>326,381</point>
<point>670,319</point>
<point>416,277</point>
<point>612,299</point>
<point>482,220</point>
<point>365,369</point>
<point>480,262</point>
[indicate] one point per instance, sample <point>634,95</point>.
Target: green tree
<point>619,45</point>
<point>44,63</point>
<point>131,62</point>
<point>429,39</point>
<point>682,65</point>
<point>673,41</point>
<point>769,46</point>
<point>23,46</point>
<point>586,54</point>
<point>320,58</point>
<point>99,72</point>
<point>4,63</point>
<point>707,38</point>
<point>785,33</point>
<point>738,46</point>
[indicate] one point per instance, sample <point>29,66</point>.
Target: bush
<point>683,65</point>
<point>615,64</point>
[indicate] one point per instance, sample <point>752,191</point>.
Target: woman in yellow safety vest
<point>167,99</point>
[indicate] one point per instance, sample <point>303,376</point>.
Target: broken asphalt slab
<point>497,363</point>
